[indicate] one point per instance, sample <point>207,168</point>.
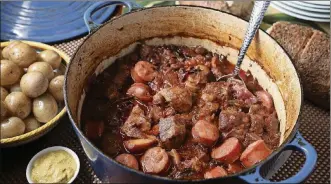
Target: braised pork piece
<point>160,110</point>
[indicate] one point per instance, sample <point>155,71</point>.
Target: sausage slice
<point>128,160</point>
<point>143,71</point>
<point>254,153</point>
<point>215,172</point>
<point>155,161</point>
<point>205,133</point>
<point>138,145</point>
<point>234,168</point>
<point>228,152</point>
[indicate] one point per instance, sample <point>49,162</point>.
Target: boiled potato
<point>4,110</point>
<point>56,88</point>
<point>15,88</point>
<point>22,54</point>
<point>18,104</point>
<point>42,67</point>
<point>5,53</point>
<point>31,124</point>
<point>10,72</point>
<point>44,108</point>
<point>51,57</point>
<point>3,93</point>
<point>33,84</point>
<point>12,127</point>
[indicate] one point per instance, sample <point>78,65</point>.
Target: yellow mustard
<point>53,167</point>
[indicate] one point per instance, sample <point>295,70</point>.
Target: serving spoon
<point>255,20</point>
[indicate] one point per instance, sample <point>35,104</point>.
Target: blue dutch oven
<point>186,25</point>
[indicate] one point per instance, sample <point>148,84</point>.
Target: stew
<point>161,110</point>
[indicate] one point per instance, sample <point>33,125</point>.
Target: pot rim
<point>140,173</point>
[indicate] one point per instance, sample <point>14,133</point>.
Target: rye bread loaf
<point>310,53</point>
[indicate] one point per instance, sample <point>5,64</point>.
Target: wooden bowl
<point>46,127</point>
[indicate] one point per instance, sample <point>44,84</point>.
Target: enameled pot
<point>186,25</point>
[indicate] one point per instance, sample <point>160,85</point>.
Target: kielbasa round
<point>138,145</point>
<point>205,133</point>
<point>215,173</point>
<point>254,153</point>
<point>140,91</point>
<point>228,152</point>
<point>143,71</point>
<point>155,161</point>
<point>128,160</point>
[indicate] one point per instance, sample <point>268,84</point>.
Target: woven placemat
<point>314,126</point>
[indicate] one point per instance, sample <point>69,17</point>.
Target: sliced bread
<point>310,53</point>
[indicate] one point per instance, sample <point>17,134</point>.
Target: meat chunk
<point>266,99</point>
<point>155,161</point>
<point>155,113</point>
<point>171,78</point>
<point>143,71</point>
<point>205,133</point>
<point>228,152</point>
<point>238,132</point>
<point>195,164</point>
<point>199,75</point>
<point>240,92</point>
<point>175,157</point>
<point>136,124</point>
<point>254,153</point>
<point>258,109</point>
<point>179,98</point>
<point>191,149</point>
<point>216,172</point>
<point>271,124</point>
<point>128,160</point>
<point>140,91</point>
<point>229,119</point>
<point>250,138</point>
<point>172,132</point>
<point>257,123</point>
<point>215,92</point>
<point>138,145</point>
<point>207,111</point>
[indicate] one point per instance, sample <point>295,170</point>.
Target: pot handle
<point>92,26</point>
<point>298,144</point>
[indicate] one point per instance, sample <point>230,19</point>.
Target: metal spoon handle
<point>256,18</point>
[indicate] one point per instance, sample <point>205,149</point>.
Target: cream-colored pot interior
<point>218,32</point>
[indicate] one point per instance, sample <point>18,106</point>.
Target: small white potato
<point>18,104</point>
<point>5,50</point>
<point>56,88</point>
<point>31,123</point>
<point>44,108</point>
<point>12,127</point>
<point>51,57</point>
<point>34,84</point>
<point>22,54</point>
<point>10,72</point>
<point>42,67</point>
<point>3,93</point>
